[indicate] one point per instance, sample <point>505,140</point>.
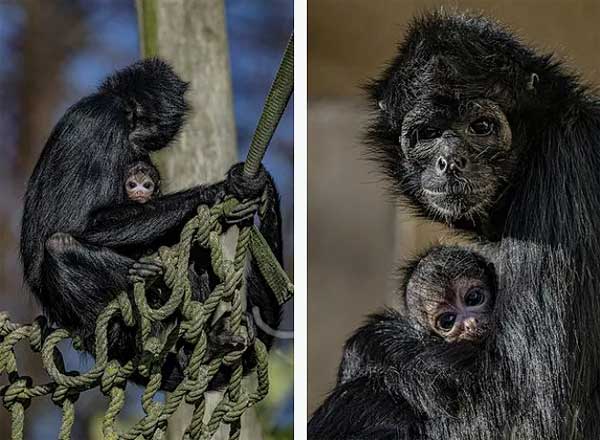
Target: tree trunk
<point>191,35</point>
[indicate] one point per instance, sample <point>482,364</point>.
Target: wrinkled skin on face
<point>449,134</point>
<point>451,292</point>
<point>142,183</point>
<point>456,155</point>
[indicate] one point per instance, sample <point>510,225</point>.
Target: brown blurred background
<point>356,237</point>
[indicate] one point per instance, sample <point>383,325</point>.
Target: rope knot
<point>237,408</point>
<point>18,392</point>
<point>63,393</point>
<point>111,376</point>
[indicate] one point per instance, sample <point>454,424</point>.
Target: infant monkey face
<point>142,182</point>
<point>139,188</point>
<point>464,313</point>
<point>451,292</point>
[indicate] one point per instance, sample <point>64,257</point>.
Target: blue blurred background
<point>56,51</point>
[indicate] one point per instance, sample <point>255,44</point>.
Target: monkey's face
<point>463,313</point>
<point>456,156</point>
<point>140,187</point>
<point>451,292</point>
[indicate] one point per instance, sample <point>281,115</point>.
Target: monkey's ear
<point>382,105</point>
<point>404,142</point>
<point>533,81</point>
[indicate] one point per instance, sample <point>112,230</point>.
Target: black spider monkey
<point>81,236</point>
<point>422,357</point>
<point>479,131</point>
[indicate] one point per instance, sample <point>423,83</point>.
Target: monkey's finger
<point>135,279</point>
<point>144,272</point>
<point>148,266</point>
<point>151,260</point>
<point>149,263</point>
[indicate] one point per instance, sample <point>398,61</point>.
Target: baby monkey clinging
<point>451,292</point>
<point>142,182</point>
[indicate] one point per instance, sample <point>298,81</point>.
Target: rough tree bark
<point>191,35</point>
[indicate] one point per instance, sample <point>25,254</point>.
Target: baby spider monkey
<point>451,292</point>
<point>409,368</point>
<point>142,182</point>
<point>447,301</point>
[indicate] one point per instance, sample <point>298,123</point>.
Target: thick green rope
<point>148,27</point>
<point>111,377</point>
<point>275,105</point>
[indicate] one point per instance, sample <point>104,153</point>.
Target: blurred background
<point>56,51</point>
<point>356,235</point>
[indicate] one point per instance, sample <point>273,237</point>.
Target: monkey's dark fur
<point>399,367</point>
<point>541,368</point>
<point>76,190</point>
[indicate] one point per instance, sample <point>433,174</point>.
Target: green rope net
<point>191,326</point>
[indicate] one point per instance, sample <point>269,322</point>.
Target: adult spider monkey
<point>80,235</point>
<point>477,130</point>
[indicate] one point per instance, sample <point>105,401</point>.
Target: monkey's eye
<point>148,185</point>
<point>130,185</point>
<point>474,297</point>
<point>446,321</point>
<point>427,132</point>
<point>482,127</point>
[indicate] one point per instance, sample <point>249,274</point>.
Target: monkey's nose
<point>470,324</point>
<point>451,163</point>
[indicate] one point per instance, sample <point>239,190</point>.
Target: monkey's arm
<point>141,224</point>
<point>362,409</point>
<point>420,368</point>
<point>386,340</point>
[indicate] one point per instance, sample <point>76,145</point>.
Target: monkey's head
<point>447,124</point>
<point>451,292</point>
<point>451,151</point>
<point>142,182</point>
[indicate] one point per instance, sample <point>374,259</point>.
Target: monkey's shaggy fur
<point>540,370</point>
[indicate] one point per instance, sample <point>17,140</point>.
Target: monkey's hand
<point>145,269</point>
<point>222,340</point>
<point>243,187</point>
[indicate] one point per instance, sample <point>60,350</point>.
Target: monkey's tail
<point>154,102</point>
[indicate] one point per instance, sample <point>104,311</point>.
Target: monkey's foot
<point>222,340</point>
<point>60,242</point>
<point>227,341</point>
<point>145,269</point>
<point>243,187</point>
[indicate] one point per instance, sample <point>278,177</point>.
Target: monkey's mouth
<point>454,204</point>
<point>140,199</point>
